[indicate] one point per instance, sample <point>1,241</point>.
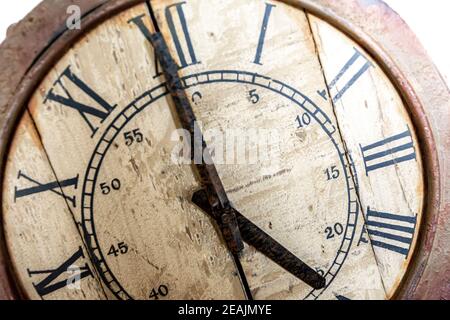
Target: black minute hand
<point>210,180</point>
<point>268,246</point>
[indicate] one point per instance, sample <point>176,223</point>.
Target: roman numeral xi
<point>94,112</point>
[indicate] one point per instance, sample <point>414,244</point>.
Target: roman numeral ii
<point>353,69</point>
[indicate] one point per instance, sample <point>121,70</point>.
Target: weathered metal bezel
<point>34,45</point>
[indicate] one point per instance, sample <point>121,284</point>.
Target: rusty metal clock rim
<point>423,128</point>
<point>99,10</point>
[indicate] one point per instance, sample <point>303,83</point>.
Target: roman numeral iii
<point>54,186</point>
<point>99,109</point>
<point>390,231</point>
<point>353,69</point>
<point>387,152</point>
<point>54,279</point>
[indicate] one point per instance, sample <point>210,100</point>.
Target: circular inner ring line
<point>219,76</point>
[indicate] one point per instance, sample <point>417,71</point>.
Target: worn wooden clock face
<point>311,140</point>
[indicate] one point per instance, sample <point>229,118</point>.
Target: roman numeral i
<point>262,33</point>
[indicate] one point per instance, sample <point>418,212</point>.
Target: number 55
<point>133,136</point>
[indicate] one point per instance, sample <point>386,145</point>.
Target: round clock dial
<point>311,141</point>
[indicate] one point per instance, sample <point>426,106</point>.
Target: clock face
<point>311,141</point>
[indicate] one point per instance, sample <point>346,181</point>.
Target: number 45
<point>122,248</point>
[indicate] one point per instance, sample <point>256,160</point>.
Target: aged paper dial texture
<point>311,140</point>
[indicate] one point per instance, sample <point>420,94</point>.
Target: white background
<point>428,19</point>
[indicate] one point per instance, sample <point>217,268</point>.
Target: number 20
<point>337,229</point>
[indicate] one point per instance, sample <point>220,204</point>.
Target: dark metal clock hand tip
<point>264,243</point>
<point>319,283</point>
<point>322,283</point>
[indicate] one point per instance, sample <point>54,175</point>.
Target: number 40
<point>162,291</point>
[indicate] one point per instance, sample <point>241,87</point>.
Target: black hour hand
<point>265,244</point>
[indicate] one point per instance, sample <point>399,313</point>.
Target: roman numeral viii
<point>353,69</point>
<point>175,16</point>
<point>54,279</point>
<point>390,151</point>
<point>391,231</point>
<point>54,186</point>
<point>98,109</point>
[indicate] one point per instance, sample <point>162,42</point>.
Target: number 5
<point>123,247</point>
<point>253,96</point>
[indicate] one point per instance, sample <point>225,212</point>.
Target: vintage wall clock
<point>96,203</point>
